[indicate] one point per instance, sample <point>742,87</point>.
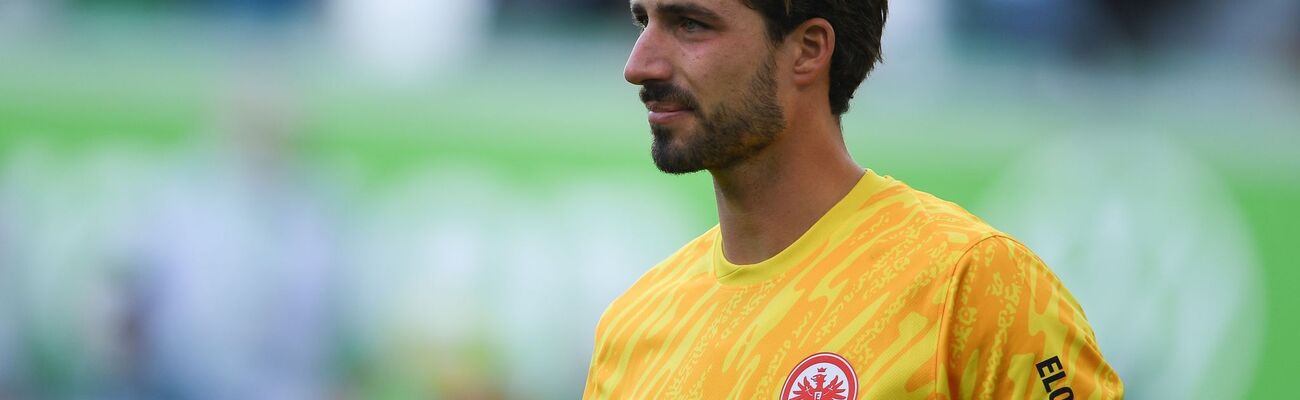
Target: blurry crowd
<point>1092,31</point>
<point>1077,31</point>
<point>232,268</point>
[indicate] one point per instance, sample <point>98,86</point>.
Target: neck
<point>768,201</point>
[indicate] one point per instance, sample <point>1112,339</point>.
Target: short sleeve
<point>1012,331</point>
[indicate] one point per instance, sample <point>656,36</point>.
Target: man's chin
<point>674,130</point>
<point>676,169</point>
<point>671,157</point>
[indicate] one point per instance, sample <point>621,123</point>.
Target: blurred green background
<point>436,199</point>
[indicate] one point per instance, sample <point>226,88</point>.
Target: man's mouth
<point>663,113</point>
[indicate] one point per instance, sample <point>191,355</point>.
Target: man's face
<point>708,77</point>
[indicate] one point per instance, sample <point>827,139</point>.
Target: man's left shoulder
<point>938,219</point>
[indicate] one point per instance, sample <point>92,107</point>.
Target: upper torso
<point>893,294</point>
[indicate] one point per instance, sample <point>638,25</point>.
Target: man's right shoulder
<point>697,251</point>
<point>688,262</point>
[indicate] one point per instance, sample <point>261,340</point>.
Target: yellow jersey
<point>892,294</point>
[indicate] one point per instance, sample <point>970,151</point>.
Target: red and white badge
<point>821,376</point>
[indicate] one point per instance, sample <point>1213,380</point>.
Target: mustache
<point>665,92</point>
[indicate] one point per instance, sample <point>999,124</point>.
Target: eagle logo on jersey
<point>821,376</point>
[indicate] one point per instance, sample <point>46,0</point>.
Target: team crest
<point>821,376</point>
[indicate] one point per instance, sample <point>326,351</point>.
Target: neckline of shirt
<point>739,275</point>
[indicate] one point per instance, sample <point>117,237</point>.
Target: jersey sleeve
<point>1012,331</point>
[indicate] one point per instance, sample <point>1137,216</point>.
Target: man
<point>822,280</point>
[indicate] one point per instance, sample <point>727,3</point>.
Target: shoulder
<point>999,263</point>
<point>1010,324</point>
<point>686,262</point>
<point>924,214</point>
<point>1002,281</point>
<point>697,249</point>
<point>966,237</point>
<point>900,222</point>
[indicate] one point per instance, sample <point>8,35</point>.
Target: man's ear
<point>814,43</point>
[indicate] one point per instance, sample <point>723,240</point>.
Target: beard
<point>731,132</point>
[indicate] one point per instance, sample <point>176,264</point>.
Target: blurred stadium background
<point>305,199</point>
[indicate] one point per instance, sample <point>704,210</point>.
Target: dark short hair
<point>858,25</point>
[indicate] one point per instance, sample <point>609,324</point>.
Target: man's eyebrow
<point>688,10</point>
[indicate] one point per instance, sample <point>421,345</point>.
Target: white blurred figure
<point>236,289</point>
<point>66,219</point>
<point>409,41</point>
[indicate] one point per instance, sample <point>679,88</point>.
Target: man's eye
<point>690,25</point>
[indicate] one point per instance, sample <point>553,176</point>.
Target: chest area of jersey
<point>814,341</point>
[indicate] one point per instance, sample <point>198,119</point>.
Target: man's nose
<point>647,61</point>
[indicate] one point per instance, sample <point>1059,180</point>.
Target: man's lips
<point>662,113</point>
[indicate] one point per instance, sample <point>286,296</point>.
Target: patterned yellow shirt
<point>893,294</point>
